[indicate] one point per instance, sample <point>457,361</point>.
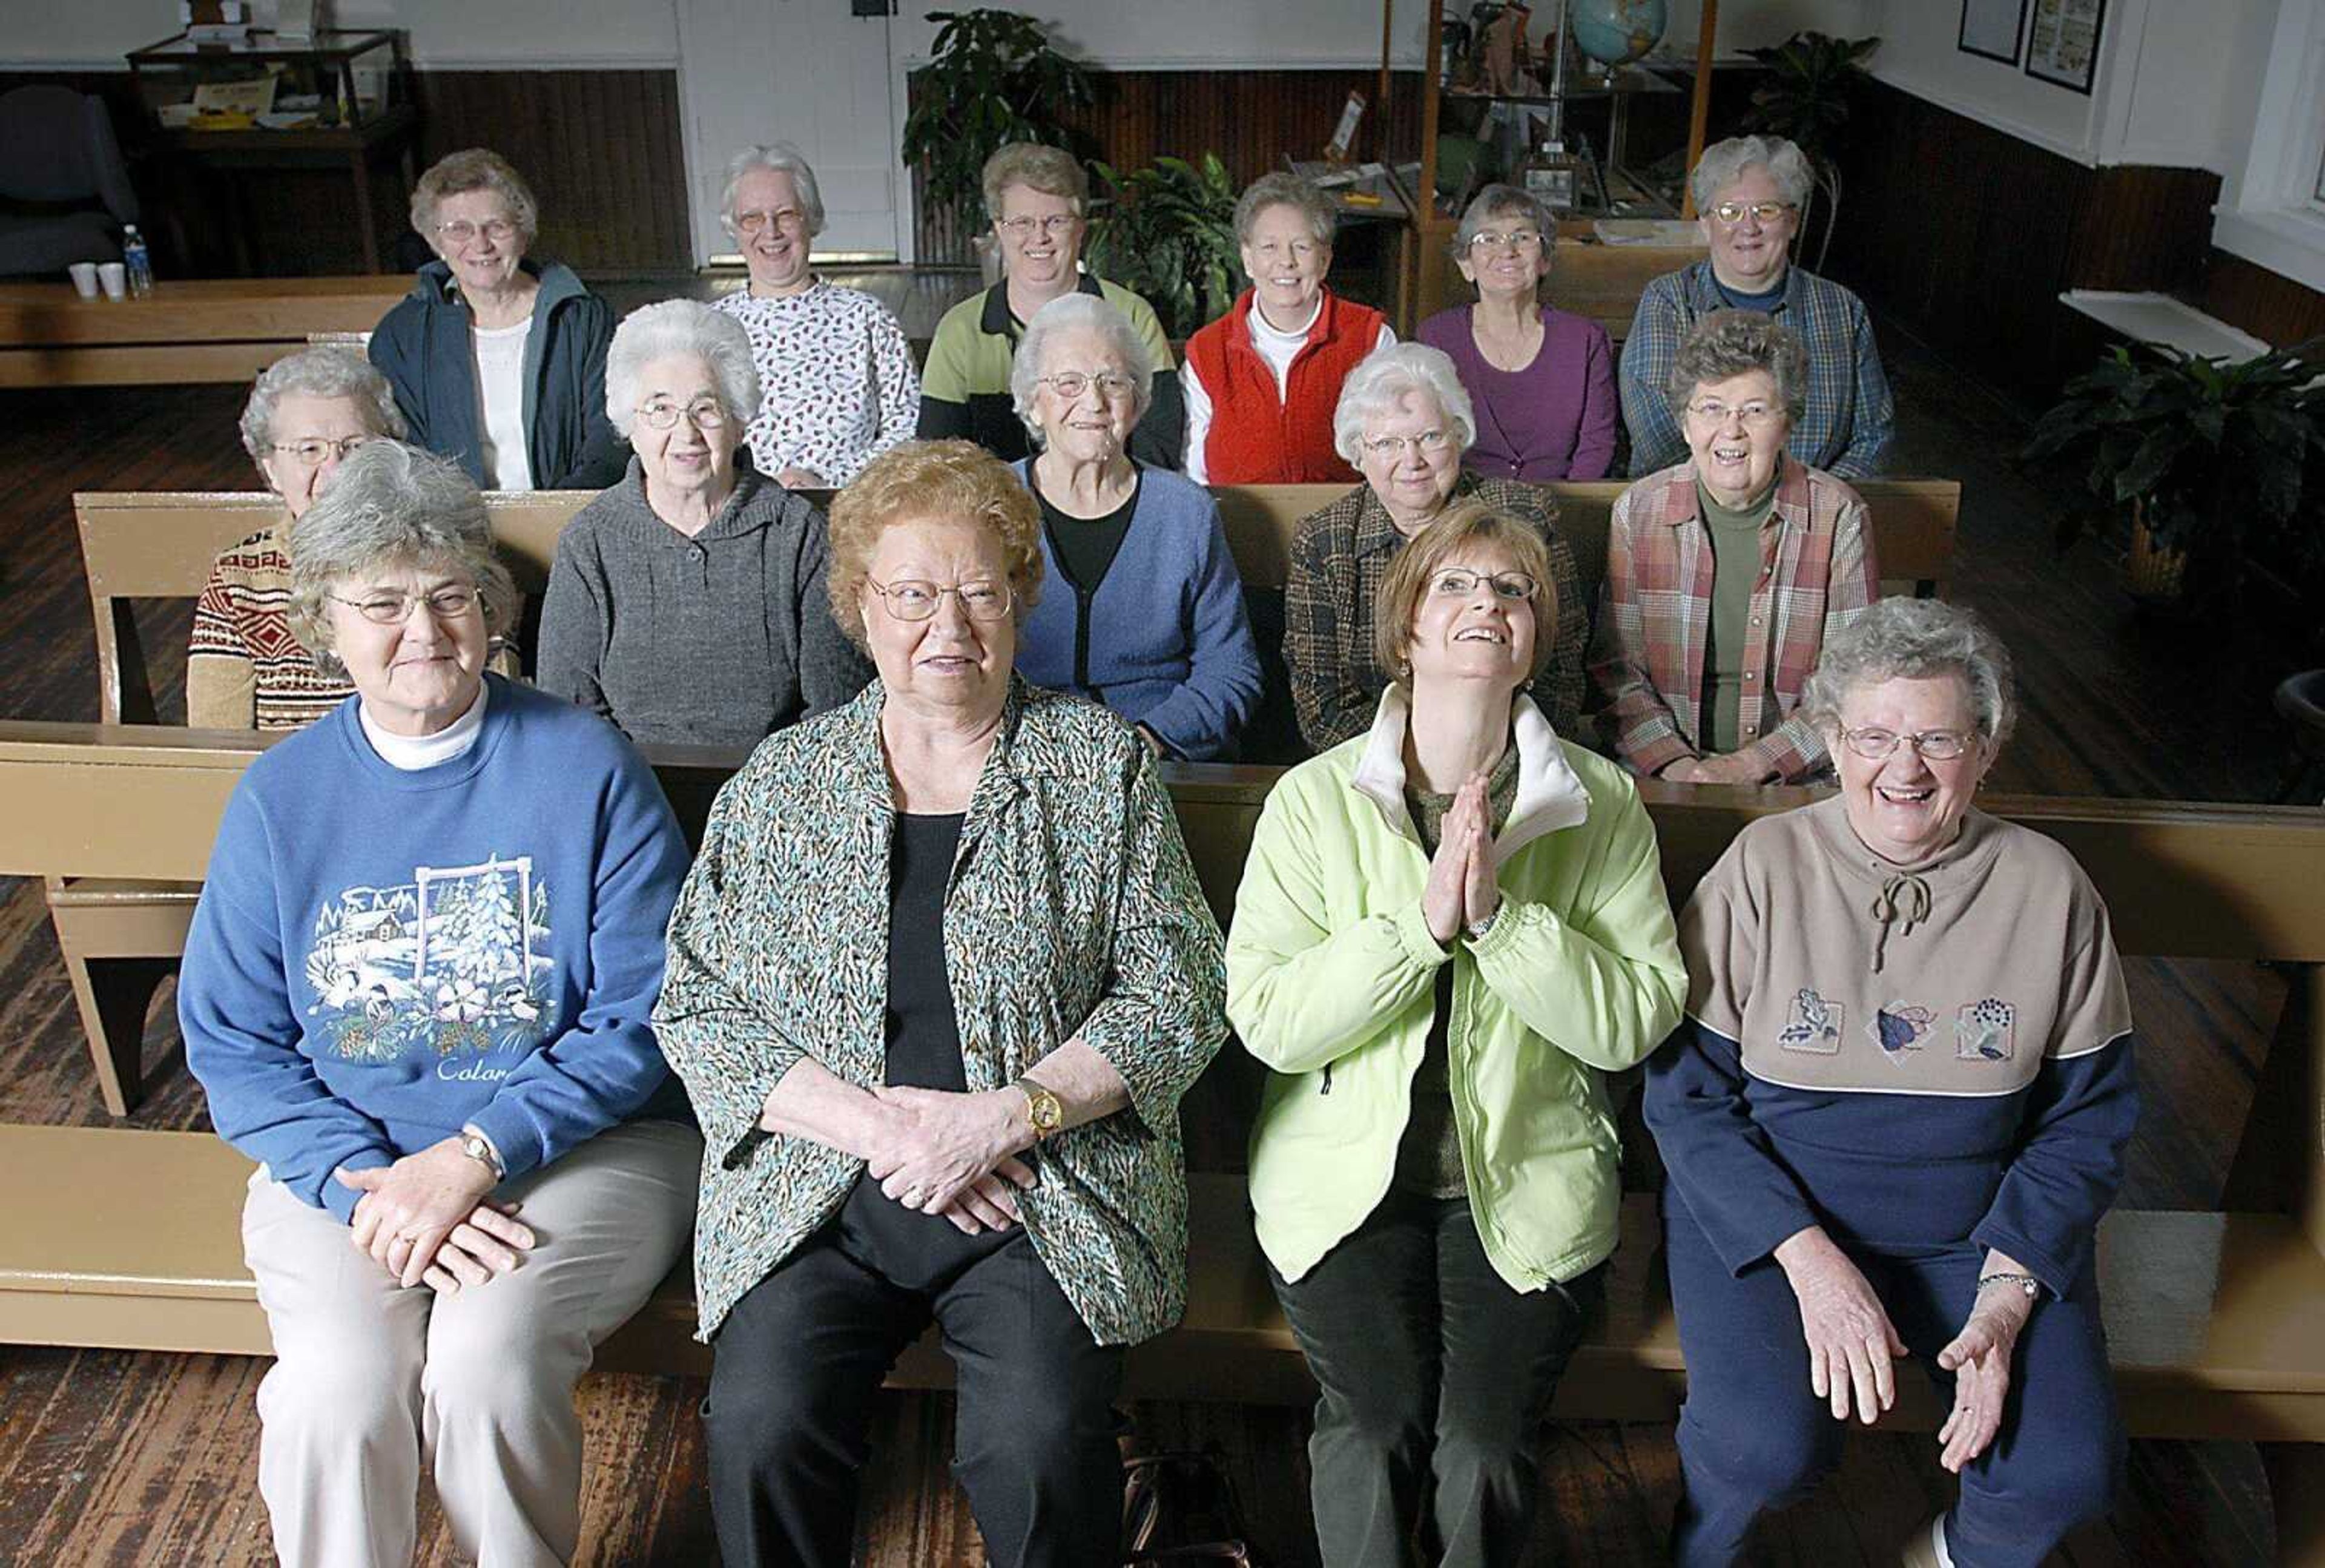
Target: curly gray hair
<point>1723,163</point>
<point>1282,190</point>
<point>1077,312</point>
<point>1381,380</point>
<point>1505,202</point>
<point>1726,344</point>
<point>1915,639</point>
<point>676,329</point>
<point>473,169</point>
<point>393,506</point>
<point>780,158</point>
<point>324,372</point>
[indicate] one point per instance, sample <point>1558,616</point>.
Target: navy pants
<point>1753,1435</point>
<point>1436,1376</point>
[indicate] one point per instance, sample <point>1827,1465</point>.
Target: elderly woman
<point>936,982</point>
<point>687,604</point>
<point>1749,191</point>
<point>1152,619</point>
<point>1726,574</point>
<point>1543,381</point>
<point>416,990</point>
<point>499,362</point>
<point>837,384</point>
<point>1895,1120</point>
<point>1404,420</point>
<point>1448,933</point>
<point>245,667</point>
<point>1262,381</point>
<point>1037,197</point>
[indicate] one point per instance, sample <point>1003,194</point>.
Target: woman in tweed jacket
<point>936,984</point>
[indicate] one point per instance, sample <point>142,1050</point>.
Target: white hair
<point>1381,381</point>
<point>1723,163</point>
<point>323,372</point>
<point>1077,312</point>
<point>782,158</point>
<point>1915,639</point>
<point>676,329</point>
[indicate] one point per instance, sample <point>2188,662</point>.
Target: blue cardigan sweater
<point>1162,639</point>
<point>422,347</point>
<point>381,956</point>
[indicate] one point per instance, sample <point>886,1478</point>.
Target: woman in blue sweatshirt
<point>417,991</point>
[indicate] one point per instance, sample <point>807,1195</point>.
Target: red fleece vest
<point>1257,438</point>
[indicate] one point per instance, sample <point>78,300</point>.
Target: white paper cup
<point>115,277</point>
<point>84,278</point>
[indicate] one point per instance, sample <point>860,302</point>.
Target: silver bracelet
<point>2031,1287</point>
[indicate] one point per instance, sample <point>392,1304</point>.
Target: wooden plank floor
<point>147,1458</point>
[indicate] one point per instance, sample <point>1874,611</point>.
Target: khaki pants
<point>371,1380</point>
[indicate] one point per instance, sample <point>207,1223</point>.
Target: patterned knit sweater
<point>246,669</point>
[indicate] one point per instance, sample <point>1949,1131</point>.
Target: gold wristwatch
<point>1044,1110</point>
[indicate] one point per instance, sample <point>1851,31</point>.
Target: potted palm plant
<point>2208,459</point>
<point>1167,233</point>
<point>992,78</point>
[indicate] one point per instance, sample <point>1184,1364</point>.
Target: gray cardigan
<point>717,640</point>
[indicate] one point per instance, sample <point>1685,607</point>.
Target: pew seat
<point>203,330</point>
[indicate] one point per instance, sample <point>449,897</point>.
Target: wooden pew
<point>120,939</point>
<point>2212,1317</point>
<point>192,330</point>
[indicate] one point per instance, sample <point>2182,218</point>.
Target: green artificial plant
<point>1168,233</point>
<point>992,78</point>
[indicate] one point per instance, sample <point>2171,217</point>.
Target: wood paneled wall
<point>2269,305</point>
<point>601,149</point>
<point>1250,118</point>
<point>1966,235</point>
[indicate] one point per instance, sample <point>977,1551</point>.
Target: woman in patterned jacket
<point>936,984</point>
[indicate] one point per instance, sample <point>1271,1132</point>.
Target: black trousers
<point>801,1355</point>
<point>1436,1377</point>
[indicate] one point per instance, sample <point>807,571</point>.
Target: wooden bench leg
<point>2296,1489</point>
<point>113,995</point>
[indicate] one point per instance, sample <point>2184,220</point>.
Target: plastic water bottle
<point>139,261</point>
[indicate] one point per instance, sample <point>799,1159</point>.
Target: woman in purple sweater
<point>1543,381</point>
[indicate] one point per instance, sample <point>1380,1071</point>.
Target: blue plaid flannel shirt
<point>1850,416</point>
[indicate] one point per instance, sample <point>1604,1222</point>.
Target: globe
<point>1615,32</point>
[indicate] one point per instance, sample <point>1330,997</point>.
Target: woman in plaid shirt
<point>1726,573</point>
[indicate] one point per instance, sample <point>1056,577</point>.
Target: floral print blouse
<point>837,386</point>
<point>1073,912</point>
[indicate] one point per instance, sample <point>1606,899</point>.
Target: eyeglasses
<point>1056,224</point>
<point>393,609</point>
<point>462,234</point>
<point>915,600</point>
<point>1459,582</point>
<point>1766,211</point>
<point>1428,442</point>
<point>1516,239</point>
<point>1112,384</point>
<point>759,222</point>
<point>1713,412</point>
<point>1875,744</point>
<point>703,414</point>
<point>316,450</point>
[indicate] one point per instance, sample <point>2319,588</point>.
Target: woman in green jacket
<point>1449,932</point>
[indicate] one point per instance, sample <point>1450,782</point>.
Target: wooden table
<point>200,329</point>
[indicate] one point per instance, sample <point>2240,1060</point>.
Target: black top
<point>1085,547</point>
<point>924,1036</point>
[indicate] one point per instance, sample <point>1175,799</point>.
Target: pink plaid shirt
<point>1817,574</point>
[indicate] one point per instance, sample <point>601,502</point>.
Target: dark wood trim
<point>2247,296</point>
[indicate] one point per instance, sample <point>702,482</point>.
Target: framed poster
<point>1991,28</point>
<point>2062,46</point>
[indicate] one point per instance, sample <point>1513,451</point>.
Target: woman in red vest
<point>1262,381</point>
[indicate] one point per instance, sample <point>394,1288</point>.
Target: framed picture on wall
<point>2062,45</point>
<point>1991,28</point>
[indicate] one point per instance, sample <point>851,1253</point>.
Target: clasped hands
<point>952,1154</point>
<point>1851,1343</point>
<point>1461,891</point>
<point>1735,767</point>
<point>429,1219</point>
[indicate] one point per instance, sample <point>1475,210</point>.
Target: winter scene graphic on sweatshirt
<point>455,962</point>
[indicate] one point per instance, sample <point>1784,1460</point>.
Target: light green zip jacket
<point>1331,978</point>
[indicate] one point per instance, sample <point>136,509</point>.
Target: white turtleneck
<point>411,753</point>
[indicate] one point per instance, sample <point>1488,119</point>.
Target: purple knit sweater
<point>1553,419</point>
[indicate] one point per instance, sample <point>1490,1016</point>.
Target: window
<point>2272,211</point>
